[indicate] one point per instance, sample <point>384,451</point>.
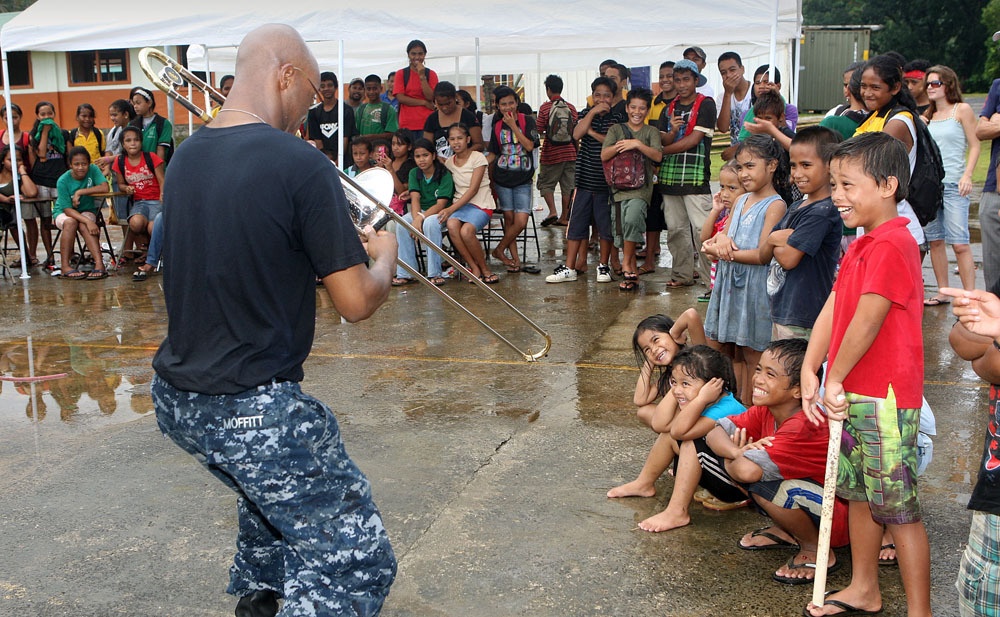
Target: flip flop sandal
<point>530,269</point>
<point>779,542</point>
<point>549,220</point>
<point>96,275</point>
<point>887,562</point>
<point>74,275</point>
<point>400,282</point>
<point>645,270</point>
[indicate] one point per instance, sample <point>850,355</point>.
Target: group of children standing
<point>779,310</point>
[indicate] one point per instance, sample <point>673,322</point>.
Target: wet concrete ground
<point>490,472</point>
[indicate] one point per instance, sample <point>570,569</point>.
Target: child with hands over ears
<point>656,342</point>
<point>701,384</point>
<point>738,313</point>
<point>869,324</point>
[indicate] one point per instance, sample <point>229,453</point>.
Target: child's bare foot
<point>665,521</point>
<point>800,569</point>
<point>635,488</point>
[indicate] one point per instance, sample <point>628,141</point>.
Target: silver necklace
<point>243,111</point>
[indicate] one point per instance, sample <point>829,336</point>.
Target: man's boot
<point>258,604</point>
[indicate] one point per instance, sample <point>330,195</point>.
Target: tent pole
<point>340,105</point>
<point>774,43</point>
<point>13,159</point>
<point>479,78</point>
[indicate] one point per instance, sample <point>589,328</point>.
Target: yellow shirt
<point>90,143</point>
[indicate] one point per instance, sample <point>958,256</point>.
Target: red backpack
<point>627,170</point>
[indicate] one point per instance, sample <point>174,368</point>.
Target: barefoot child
<point>701,385</point>
<point>804,247</point>
<point>870,322</point>
<point>738,314</point>
<point>779,458</point>
<point>722,204</point>
<point>656,341</point>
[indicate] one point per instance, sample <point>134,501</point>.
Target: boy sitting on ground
<point>779,457</point>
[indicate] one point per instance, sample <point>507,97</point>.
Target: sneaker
<point>603,274</point>
<point>561,275</point>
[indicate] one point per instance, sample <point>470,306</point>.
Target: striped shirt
<point>589,168</point>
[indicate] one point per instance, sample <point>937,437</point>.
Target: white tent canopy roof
<point>378,32</point>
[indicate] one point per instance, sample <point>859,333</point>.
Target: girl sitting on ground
<point>656,342</point>
<point>701,387</point>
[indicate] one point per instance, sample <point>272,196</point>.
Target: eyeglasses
<point>319,95</point>
<point>935,84</point>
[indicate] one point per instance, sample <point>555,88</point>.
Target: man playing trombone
<point>254,215</point>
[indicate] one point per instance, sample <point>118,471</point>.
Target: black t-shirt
<point>440,133</point>
<point>324,125</point>
<point>986,494</point>
<point>242,249</point>
<point>798,295</point>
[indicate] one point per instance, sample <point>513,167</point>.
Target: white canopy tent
<point>358,37</point>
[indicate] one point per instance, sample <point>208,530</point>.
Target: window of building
<point>98,66</point>
<point>19,67</point>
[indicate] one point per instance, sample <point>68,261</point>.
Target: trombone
<point>365,208</point>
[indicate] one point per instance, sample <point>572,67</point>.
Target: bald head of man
<point>275,80</point>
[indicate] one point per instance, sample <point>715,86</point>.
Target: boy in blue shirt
<point>804,246</point>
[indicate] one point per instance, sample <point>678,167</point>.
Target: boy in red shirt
<point>871,327</point>
<point>779,457</point>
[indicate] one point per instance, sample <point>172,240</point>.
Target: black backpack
<point>158,122</point>
<point>925,192</point>
<point>100,139</point>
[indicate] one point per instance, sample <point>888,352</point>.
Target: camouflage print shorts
<point>308,527</point>
<point>878,458</point>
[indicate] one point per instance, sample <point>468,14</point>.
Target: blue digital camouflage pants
<point>308,527</point>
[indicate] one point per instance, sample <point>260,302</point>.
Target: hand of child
<point>740,440</point>
<point>809,388</point>
<point>711,391</point>
<point>510,119</point>
<point>92,227</point>
<point>759,126</point>
<point>625,145</point>
<point>717,205</point>
<point>835,401</point>
<point>600,109</point>
<point>761,444</point>
<point>779,237</point>
<point>724,246</point>
<point>677,122</point>
<point>76,199</point>
<point>979,311</point>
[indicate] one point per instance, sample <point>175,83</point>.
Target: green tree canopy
<point>952,34</point>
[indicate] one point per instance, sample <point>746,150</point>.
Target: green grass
<point>979,173</point>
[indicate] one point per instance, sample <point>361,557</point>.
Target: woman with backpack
<point>157,131</point>
<point>413,87</point>
<point>952,123</point>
